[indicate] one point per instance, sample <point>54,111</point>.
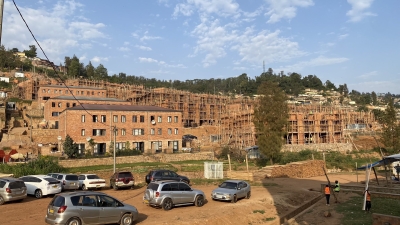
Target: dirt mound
<point>366,142</point>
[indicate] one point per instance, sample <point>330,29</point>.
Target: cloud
<point>319,61</point>
<point>124,49</point>
<point>219,7</point>
<point>98,59</point>
<point>369,74</point>
<point>343,36</point>
<point>161,63</point>
<point>358,10</point>
<point>141,47</point>
<point>147,60</point>
<point>284,9</point>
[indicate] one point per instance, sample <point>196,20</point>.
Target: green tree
<point>270,118</point>
<point>390,135</point>
<point>31,53</point>
<point>90,70</point>
<point>101,72</point>
<point>70,149</point>
<point>374,98</point>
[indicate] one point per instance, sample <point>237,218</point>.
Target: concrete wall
<point>137,159</point>
<point>341,147</point>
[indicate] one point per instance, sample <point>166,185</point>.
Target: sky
<point>344,41</point>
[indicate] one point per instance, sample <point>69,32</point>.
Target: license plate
<point>51,211</point>
<point>72,183</point>
<point>98,185</point>
<point>55,186</point>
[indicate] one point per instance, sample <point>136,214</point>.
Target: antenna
<point>263,66</point>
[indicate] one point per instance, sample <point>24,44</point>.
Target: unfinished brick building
<point>228,119</point>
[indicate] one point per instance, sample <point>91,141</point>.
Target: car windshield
<point>228,185</point>
<point>124,174</point>
<point>71,177</point>
<point>51,180</point>
<point>92,177</point>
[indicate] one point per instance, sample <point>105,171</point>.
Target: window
<point>44,90</point>
<point>67,104</point>
<point>83,118</point>
<point>120,145</point>
<point>169,131</point>
<point>123,119</point>
<point>173,145</point>
<point>53,104</point>
<point>99,132</point>
<point>73,104</point>
<point>81,148</point>
<point>59,105</point>
<point>115,119</point>
<point>152,131</point>
<point>176,130</point>
<point>123,132</point>
<point>83,132</point>
<point>142,119</point>
<point>134,119</point>
<point>55,113</point>
<point>174,186</point>
<point>169,119</point>
<point>159,131</point>
<point>157,145</point>
<point>175,119</point>
<point>138,132</point>
<point>159,119</point>
<point>184,187</point>
<point>103,118</point>
<point>139,146</point>
<point>95,119</point>
<point>55,91</point>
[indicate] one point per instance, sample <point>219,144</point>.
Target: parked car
<point>41,185</point>
<point>122,180</point>
<point>232,190</point>
<point>168,194</point>
<point>91,181</point>
<point>68,181</point>
<point>87,207</point>
<point>156,175</point>
<point>11,189</point>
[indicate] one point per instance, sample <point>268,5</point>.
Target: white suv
<point>41,185</point>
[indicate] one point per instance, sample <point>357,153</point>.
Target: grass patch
<point>259,211</point>
<point>136,167</point>
<point>353,214</point>
<point>269,219</point>
<point>200,162</point>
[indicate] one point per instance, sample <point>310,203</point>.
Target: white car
<point>41,185</point>
<point>91,181</point>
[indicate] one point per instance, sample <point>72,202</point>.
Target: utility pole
<point>1,18</point>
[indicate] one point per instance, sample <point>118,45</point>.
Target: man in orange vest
<point>327,194</point>
<point>367,201</point>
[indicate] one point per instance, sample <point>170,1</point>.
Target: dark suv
<point>122,180</point>
<point>156,175</point>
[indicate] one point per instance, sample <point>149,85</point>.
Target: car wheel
<point>73,221</point>
<point>84,187</point>
<point>199,202</point>
<point>115,187</point>
<point>2,200</point>
<point>234,199</point>
<point>248,195</point>
<point>126,219</point>
<point>167,204</point>
<point>38,193</point>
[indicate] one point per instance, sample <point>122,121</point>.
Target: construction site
<point>221,120</point>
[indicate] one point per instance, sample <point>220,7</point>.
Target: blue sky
<point>344,41</point>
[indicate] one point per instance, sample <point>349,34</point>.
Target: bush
<point>43,165</point>
<point>128,152</point>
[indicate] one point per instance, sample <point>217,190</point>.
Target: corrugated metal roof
<point>74,87</point>
<point>121,108</point>
<point>65,97</point>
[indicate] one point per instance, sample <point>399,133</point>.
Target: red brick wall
<point>58,90</point>
<point>70,122</point>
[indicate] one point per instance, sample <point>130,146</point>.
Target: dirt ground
<point>275,198</point>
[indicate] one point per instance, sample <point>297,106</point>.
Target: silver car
<point>87,207</point>
<point>11,189</point>
<point>68,181</point>
<point>232,190</point>
<point>172,193</point>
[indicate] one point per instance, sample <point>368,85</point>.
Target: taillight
<point>62,209</point>
<point>117,179</point>
<point>157,194</point>
<point>151,178</point>
<point>8,190</point>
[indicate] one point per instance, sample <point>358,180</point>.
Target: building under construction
<point>229,119</point>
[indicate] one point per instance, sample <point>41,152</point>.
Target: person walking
<point>367,201</point>
<point>327,193</point>
<point>337,190</point>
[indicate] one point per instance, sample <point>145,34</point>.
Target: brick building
<point>54,106</point>
<point>46,92</point>
<point>150,129</point>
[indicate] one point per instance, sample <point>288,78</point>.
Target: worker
<point>367,201</point>
<point>327,193</point>
<point>337,190</point>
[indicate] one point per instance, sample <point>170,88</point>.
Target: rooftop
<point>65,97</point>
<point>121,108</point>
<point>72,87</point>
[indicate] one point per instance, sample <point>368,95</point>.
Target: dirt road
<point>276,197</point>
